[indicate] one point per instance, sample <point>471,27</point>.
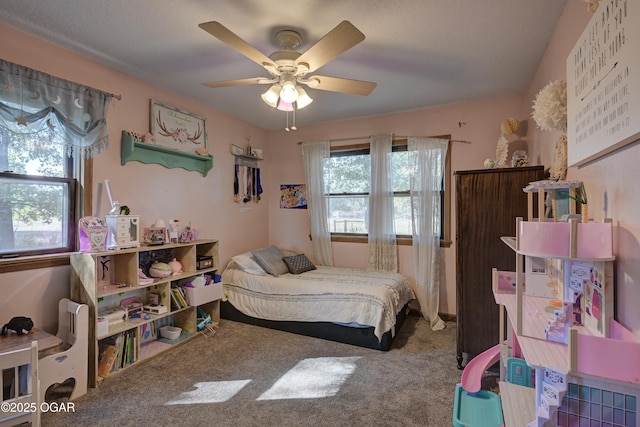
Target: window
<point>347,178</point>
<point>37,195</point>
<point>50,129</point>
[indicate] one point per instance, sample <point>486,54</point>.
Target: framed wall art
<point>603,84</point>
<point>177,129</point>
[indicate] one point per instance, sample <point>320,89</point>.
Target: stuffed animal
<point>20,325</point>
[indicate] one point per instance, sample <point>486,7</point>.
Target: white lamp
<point>289,93</point>
<point>271,96</point>
<point>303,99</point>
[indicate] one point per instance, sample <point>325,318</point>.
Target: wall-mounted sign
<point>603,83</point>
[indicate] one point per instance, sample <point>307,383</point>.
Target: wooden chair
<point>19,381</point>
<point>73,360</point>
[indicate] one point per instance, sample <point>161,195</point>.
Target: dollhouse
<point>574,364</point>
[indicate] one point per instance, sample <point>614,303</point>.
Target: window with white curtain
<point>347,181</point>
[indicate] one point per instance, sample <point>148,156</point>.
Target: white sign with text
<point>603,83</point>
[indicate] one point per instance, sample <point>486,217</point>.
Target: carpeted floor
<point>250,376</point>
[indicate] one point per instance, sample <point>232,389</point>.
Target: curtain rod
<point>395,136</point>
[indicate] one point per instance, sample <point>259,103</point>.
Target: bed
<point>285,291</point>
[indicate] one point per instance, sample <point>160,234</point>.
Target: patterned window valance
<point>33,102</point>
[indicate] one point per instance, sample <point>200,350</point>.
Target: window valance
<point>33,102</point>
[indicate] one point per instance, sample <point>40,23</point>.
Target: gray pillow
<point>298,263</point>
<point>270,259</point>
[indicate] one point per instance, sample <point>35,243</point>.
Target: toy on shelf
<point>124,230</point>
<point>555,198</point>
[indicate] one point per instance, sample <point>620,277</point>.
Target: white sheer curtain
<point>428,156</point>
<point>383,252</point>
<point>314,154</point>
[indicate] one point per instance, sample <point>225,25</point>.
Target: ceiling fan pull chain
<point>294,120</point>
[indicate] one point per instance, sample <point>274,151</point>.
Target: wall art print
<point>603,83</point>
<point>177,129</point>
<point>293,196</point>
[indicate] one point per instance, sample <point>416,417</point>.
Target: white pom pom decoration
<point>550,107</point>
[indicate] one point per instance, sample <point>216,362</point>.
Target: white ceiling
<point>421,53</point>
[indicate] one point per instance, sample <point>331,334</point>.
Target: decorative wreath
<point>550,107</point>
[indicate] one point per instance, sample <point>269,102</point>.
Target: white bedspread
<point>328,294</point>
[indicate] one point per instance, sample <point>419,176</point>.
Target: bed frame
<point>362,337</point>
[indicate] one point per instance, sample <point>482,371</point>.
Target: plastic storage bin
<point>170,332</point>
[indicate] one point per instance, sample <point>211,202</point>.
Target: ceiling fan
<point>288,67</point>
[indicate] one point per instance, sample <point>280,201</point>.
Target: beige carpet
<point>250,376</point>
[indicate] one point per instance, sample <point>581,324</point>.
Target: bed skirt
<point>362,337</point>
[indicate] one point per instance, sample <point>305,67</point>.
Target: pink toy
<point>472,374</point>
<point>92,234</point>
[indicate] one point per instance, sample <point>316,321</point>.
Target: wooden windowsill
<point>33,262</point>
<point>400,241</point>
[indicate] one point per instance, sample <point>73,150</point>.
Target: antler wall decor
<point>178,134</point>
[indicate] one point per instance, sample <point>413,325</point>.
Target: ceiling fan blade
<point>226,36</point>
<point>339,40</point>
<point>240,82</point>
<point>336,84</point>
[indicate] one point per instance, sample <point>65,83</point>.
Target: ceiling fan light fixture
<point>271,96</point>
<point>303,99</point>
<point>289,92</point>
<point>285,106</point>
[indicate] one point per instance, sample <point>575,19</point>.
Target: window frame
<point>82,172</point>
<point>400,145</point>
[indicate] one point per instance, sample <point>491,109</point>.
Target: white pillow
<point>248,264</point>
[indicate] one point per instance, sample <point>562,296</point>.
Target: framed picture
<point>177,129</point>
<point>155,236</point>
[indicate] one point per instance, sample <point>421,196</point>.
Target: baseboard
<point>448,317</point>
<point>415,311</point>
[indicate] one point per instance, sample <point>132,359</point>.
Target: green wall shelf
<point>149,153</point>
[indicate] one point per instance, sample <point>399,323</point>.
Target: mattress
<point>326,294</point>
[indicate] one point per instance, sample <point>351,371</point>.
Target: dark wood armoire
<point>487,204</point>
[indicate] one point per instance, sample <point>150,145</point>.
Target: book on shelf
<point>125,343</point>
<point>106,358</point>
<point>174,299</point>
<point>181,301</point>
<point>182,296</point>
<point>148,332</point>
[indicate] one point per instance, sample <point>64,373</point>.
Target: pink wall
<point>151,191</point>
<point>611,182</point>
